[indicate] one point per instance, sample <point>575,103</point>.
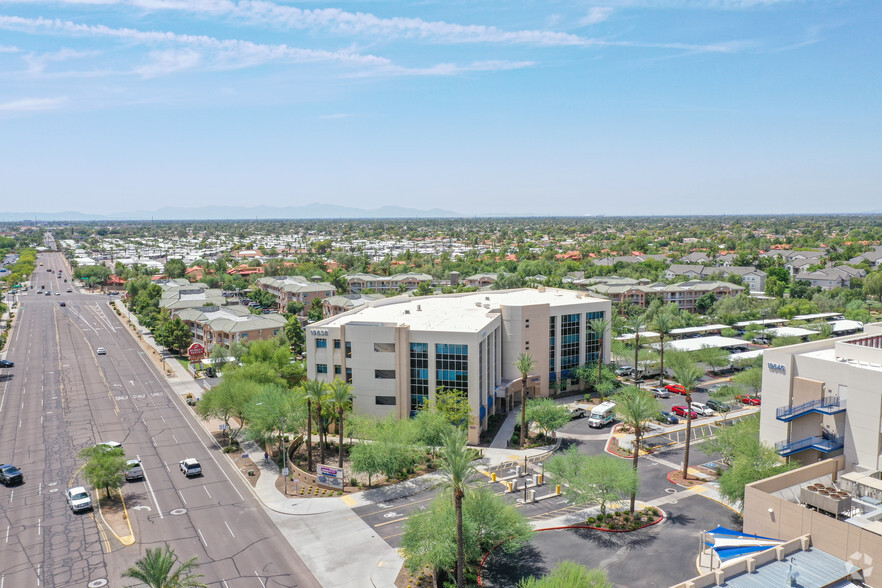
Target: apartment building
<point>180,294</point>
<point>296,289</point>
<point>230,324</point>
<point>397,351</point>
<point>686,294</point>
<point>481,280</point>
<point>385,284</point>
<point>341,303</point>
<point>641,293</point>
<point>753,277</point>
<point>828,278</point>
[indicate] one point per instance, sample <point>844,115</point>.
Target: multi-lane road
<point>61,397</point>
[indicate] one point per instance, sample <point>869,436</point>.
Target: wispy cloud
<point>596,14</point>
<point>447,69</point>
<point>336,116</point>
<point>9,49</point>
<point>168,62</point>
<point>37,62</point>
<point>32,104</point>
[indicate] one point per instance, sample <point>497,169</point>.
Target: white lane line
<point>181,494</point>
<point>203,538</point>
<point>38,574</point>
<point>229,529</point>
<point>224,581</point>
<point>162,417</point>
<point>206,490</point>
<point>176,440</point>
<point>40,489</point>
<point>39,527</point>
<point>7,532</point>
<point>150,488</point>
<point>258,579</point>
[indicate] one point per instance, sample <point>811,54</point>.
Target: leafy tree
<point>453,404</point>
<point>175,268</point>
<point>219,356</point>
<point>664,323</point>
<point>785,341</point>
<point>714,357</point>
<point>873,285</point>
<point>524,365</point>
<point>295,334</point>
<point>705,302</point>
<point>636,408</point>
<point>227,401</point>
<point>92,274</point>
<point>340,399</point>
<point>265,409</point>
<point>457,468</point>
<point>599,327</point>
<point>105,468</point>
<point>608,381</point>
<point>588,479</point>
<point>547,414</point>
<point>752,378</point>
<point>157,570</point>
<point>367,458</point>
<point>430,427</point>
<point>387,447</point>
<point>316,310</point>
<point>314,391</point>
<point>295,307</point>
<point>430,536</point>
<point>175,334</point>
<point>687,376</point>
<point>567,574</point>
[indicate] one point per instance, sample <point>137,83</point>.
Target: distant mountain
<point>308,211</point>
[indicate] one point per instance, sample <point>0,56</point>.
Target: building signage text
<point>777,368</point>
<point>319,332</point>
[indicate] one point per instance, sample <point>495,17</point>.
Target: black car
<point>4,363</point>
<point>718,406</point>
<point>10,475</point>
<point>668,418</point>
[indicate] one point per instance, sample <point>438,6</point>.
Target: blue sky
<point>505,107</point>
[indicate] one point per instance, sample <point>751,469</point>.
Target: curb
<point>128,539</point>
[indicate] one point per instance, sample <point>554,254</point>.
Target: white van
<point>702,409</point>
<point>602,415</point>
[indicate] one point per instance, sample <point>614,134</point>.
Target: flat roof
<point>629,336</point>
<point>701,342</point>
<point>790,332</point>
<point>816,569</point>
<point>704,329</point>
<point>772,321</point>
<point>470,312</point>
<point>816,316</point>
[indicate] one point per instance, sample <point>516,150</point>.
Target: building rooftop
<point>470,312</point>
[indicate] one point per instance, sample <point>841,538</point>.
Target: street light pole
<point>284,453</point>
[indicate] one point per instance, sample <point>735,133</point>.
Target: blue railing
<point>826,445</point>
<point>826,405</point>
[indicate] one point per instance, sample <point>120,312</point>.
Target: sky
<point>624,107</point>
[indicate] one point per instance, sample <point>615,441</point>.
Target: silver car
<point>78,499</point>
<point>134,471</point>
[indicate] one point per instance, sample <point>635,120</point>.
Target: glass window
<point>384,347</point>
<point>570,332</point>
<point>348,375</point>
<point>452,366</point>
<point>321,343</point>
<point>338,369</point>
<point>349,349</point>
<point>551,344</point>
<point>321,368</point>
<point>385,400</point>
<point>592,341</point>
<point>419,375</point>
<point>336,343</point>
<point>384,374</point>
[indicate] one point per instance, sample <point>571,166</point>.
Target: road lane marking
<point>181,494</point>
<point>39,527</point>
<point>7,533</point>
<point>203,538</point>
<point>150,488</point>
<point>206,490</point>
<point>229,529</point>
<point>258,579</point>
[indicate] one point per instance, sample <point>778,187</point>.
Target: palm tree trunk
<point>460,551</point>
<point>523,413</point>
<point>636,351</point>
<point>321,445</point>
<point>661,349</point>
<point>309,435</point>
<point>340,422</point>
<point>634,462</point>
<point>599,366</point>
<point>688,435</point>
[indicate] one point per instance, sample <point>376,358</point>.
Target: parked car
<point>69,290</point>
<point>190,467</point>
<point>5,363</point>
<point>9,475</point>
<point>625,371</point>
<point>668,418</point>
<point>110,445</point>
<point>681,411</point>
<point>101,351</point>
<point>78,499</point>
<point>134,471</point>
<point>660,393</point>
<point>702,409</point>
<point>718,406</point>
<point>675,389</point>
<point>58,293</point>
<point>577,412</point>
<point>62,304</point>
<point>748,399</point>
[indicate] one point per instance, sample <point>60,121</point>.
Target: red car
<point>681,411</point>
<point>675,388</point>
<point>748,399</point>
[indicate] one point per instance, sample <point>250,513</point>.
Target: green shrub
<point>590,520</point>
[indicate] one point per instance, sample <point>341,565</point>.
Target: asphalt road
<point>61,397</point>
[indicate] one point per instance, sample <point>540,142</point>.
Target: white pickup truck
<point>190,467</point>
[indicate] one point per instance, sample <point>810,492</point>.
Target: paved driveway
<point>661,555</point>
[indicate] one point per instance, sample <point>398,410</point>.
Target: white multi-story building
<point>397,351</point>
<point>824,398</point>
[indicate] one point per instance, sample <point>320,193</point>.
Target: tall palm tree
<point>637,322</point>
<point>636,408</point>
<point>341,396</point>
<point>314,391</point>
<point>524,365</point>
<point>599,327</point>
<point>156,570</point>
<point>664,324</point>
<point>457,468</point>
<point>687,376</point>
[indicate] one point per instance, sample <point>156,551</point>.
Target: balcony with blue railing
<point>826,405</point>
<point>822,443</point>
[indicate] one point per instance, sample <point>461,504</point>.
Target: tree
<point>316,310</point>
<point>454,405</point>
<point>105,468</point>
<point>295,307</point>
<point>488,521</point>
<point>229,400</point>
<point>175,268</point>
<point>596,479</point>
<point>636,322</point>
<point>175,334</point>
<point>608,381</point>
<point>688,377</point>
<point>705,302</point>
<point>457,468</point>
<point>295,334</point>
<point>430,427</point>
<point>663,325</point>
<point>273,412</point>
<point>873,285</point>
<point>341,399</point>
<point>636,408</point>
<point>367,458</point>
<point>524,365</point>
<point>566,574</point>
<point>547,414</point>
<point>752,378</point>
<point>599,327</point>
<point>313,391</point>
<point>157,570</point>
<point>219,356</point>
<point>714,357</point>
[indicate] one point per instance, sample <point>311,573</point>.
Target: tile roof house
<point>178,296</point>
<point>480,280</point>
<point>828,278</point>
<point>383,284</point>
<point>344,302</point>
<point>874,257</point>
<point>754,278</point>
<point>211,325</point>
<point>295,289</point>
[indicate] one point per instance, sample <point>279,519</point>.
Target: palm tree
<point>314,391</point>
<point>524,365</point>
<point>664,324</point>
<point>341,396</point>
<point>156,570</point>
<point>599,327</point>
<point>636,408</point>
<point>636,322</point>
<point>457,468</point>
<point>687,376</point>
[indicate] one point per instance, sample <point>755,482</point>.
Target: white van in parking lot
<point>602,415</point>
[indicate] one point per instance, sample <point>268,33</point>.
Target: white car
<point>110,445</point>
<point>190,467</point>
<point>702,409</point>
<point>134,471</point>
<point>101,351</point>
<point>78,499</point>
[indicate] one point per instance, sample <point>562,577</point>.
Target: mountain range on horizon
<point>170,213</point>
